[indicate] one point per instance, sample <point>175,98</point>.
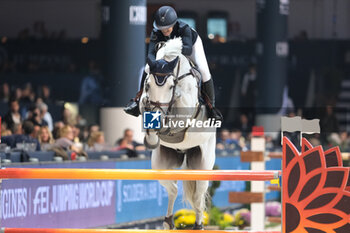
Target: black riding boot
<point>209,92</point>
<point>132,107</point>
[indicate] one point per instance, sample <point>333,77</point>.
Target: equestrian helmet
<point>165,17</point>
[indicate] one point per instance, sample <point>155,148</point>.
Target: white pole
<point>258,209</point>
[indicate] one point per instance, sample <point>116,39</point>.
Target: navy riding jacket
<point>181,29</point>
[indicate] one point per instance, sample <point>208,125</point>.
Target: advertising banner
<point>58,203</point>
<point>87,203</point>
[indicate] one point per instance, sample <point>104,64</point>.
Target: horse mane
<point>172,49</point>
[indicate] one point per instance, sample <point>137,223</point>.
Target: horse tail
<point>189,187</point>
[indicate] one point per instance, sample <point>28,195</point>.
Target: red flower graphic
<point>315,193</point>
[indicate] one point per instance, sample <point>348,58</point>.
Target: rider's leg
<point>132,107</point>
<point>198,56</point>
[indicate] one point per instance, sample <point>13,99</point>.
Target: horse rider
<point>167,26</point>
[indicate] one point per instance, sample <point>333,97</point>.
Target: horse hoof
<point>166,226</point>
<point>198,226</point>
<point>168,223</point>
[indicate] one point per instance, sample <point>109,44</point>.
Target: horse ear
<point>151,63</point>
<point>173,63</point>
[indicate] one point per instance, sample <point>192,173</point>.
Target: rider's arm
<point>152,46</point>
<point>187,41</point>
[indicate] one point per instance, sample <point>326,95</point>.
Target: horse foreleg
<point>199,200</point>
<point>196,159</point>
<point>196,191</point>
<point>171,188</point>
<point>166,158</point>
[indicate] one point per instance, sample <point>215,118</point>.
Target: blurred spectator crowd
<point>26,123</point>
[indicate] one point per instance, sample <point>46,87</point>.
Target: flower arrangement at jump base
<point>220,219</point>
<point>273,209</point>
<point>186,218</point>
<point>240,219</point>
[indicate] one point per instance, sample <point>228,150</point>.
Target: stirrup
<point>213,112</point>
<point>132,108</point>
<point>216,114</point>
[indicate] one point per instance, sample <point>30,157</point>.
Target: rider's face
<point>167,32</point>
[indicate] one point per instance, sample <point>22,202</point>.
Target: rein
<point>169,104</point>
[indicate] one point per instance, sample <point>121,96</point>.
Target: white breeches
<point>198,57</point>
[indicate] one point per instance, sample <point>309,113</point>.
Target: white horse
<point>166,92</point>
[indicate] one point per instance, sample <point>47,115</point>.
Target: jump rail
<point>43,230</point>
<point>134,174</point>
<point>316,189</point>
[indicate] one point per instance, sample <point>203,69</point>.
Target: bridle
<point>152,105</point>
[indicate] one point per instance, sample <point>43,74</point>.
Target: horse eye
<point>147,86</point>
